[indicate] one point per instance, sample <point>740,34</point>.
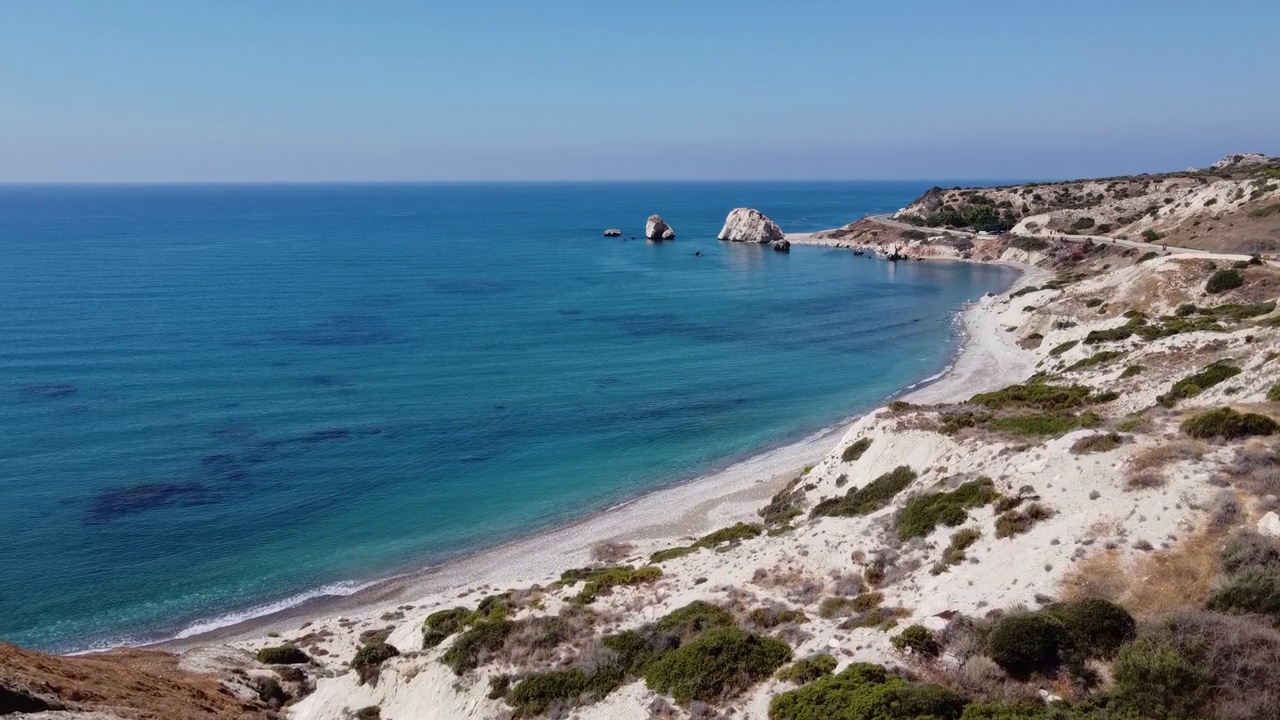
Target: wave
<point>338,589</point>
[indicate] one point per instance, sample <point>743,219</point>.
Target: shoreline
<point>716,499</point>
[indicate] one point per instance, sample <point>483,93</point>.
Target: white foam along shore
<point>987,359</point>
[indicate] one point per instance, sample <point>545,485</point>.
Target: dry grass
<point>1156,583</point>
<point>1101,575</point>
<point>1147,467</point>
<point>1255,470</point>
<point>611,552</point>
<point>1169,580</point>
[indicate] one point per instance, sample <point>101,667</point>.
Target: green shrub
<point>1255,590</point>
<point>784,506</point>
<point>729,535</point>
<point>1193,385</point>
<point>1132,371</point>
<point>1035,395</point>
<point>1109,335</point>
<point>604,580</point>
<point>841,606</point>
<point>866,692</point>
<point>1227,424</point>
<point>695,618</point>
<point>1093,302</point>
<point>918,639</point>
<point>733,534</point>
<point>1273,394</point>
<point>535,694</point>
<point>1059,349</point>
<point>718,665</point>
<point>670,554</point>
<point>806,670</point>
<point>1083,223</point>
<point>475,644</point>
<point>1027,644</point>
<point>1015,522</point>
<point>283,655</point>
<point>924,513</point>
<point>1095,359</point>
<point>771,617</point>
<point>869,498</point>
<point>440,625</point>
<point>1223,280</point>
<point>371,712</point>
<point>961,540</point>
<point>1046,425</point>
<point>1156,680</point>
<point>1151,235</point>
<point>1097,628</point>
<point>368,660</point>
<point>1100,442</point>
<point>854,451</point>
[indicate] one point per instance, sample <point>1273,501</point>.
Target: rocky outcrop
<point>750,225</point>
<point>781,246</point>
<point>658,229</point>
<point>613,232</point>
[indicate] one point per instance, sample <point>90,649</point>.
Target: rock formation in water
<point>782,246</point>
<point>750,225</point>
<point>657,229</point>
<point>613,232</point>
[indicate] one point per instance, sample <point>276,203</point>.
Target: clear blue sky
<point>111,90</point>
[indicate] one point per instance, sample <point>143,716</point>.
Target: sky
<point>226,91</point>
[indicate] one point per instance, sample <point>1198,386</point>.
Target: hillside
<point>1232,206</point>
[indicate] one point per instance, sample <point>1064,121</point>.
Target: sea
<point>220,400</point>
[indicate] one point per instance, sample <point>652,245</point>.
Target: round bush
<point>1223,280</point>
<point>720,664</point>
<point>1227,424</point>
<point>1155,679</point>
<point>283,655</point>
<point>1027,644</point>
<point>918,639</point>
<point>368,660</point>
<point>1097,628</point>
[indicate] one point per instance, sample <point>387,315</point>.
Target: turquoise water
<point>218,397</point>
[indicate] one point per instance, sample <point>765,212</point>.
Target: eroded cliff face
<point>133,685</point>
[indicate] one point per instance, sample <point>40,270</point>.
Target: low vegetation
<point>728,536</point>
<point>961,540</point>
<point>806,670</point>
<point>1226,424</point>
<point>694,654</point>
<point>923,513</point>
<point>918,640</point>
<point>869,498</point>
<point>369,659</point>
<point>1193,385</point>
<point>283,655</point>
<point>867,691</point>
<point>855,450</point>
<point>1099,442</point>
<point>1223,280</point>
<point>1016,522</point>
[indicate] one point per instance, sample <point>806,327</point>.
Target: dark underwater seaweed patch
<point>341,329</point>
<point>50,391</point>
<point>115,503</point>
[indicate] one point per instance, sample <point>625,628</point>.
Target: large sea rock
<point>750,225</point>
<point>657,229</point>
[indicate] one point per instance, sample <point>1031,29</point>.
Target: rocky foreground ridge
<point>1231,206</point>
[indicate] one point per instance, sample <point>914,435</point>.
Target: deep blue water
<point>214,397</point>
